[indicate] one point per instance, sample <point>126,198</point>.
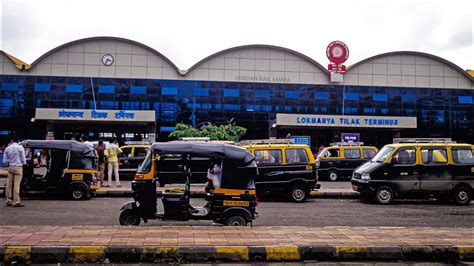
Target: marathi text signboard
<point>94,115</point>
<point>345,121</point>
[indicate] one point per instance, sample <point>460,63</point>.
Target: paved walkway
<point>228,236</point>
<point>178,244</point>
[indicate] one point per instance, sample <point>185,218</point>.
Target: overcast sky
<point>186,31</point>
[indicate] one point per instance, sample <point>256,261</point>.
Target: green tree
<point>228,131</point>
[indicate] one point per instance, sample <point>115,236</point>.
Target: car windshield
<point>383,154</point>
<point>145,166</point>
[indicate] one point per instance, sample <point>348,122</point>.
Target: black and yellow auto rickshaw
<point>66,167</point>
<point>232,203</point>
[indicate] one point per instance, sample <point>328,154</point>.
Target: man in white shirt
<point>14,156</point>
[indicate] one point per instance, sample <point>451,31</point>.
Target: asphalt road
<point>315,212</point>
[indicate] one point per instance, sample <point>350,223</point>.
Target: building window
<point>108,105</point>
<point>200,92</point>
<point>74,88</point>
<point>42,87</point>
<point>350,110</point>
<point>232,107</point>
<point>106,89</point>
<point>169,91</point>
<point>137,90</point>
<point>409,112</point>
<point>169,112</point>
<point>131,105</point>
<point>167,129</point>
<point>231,93</point>
<point>379,97</point>
<point>292,95</point>
<point>8,86</point>
<point>351,96</point>
<point>369,110</point>
<point>6,107</point>
<point>465,99</point>
<point>262,94</point>
<point>321,95</point>
<point>409,98</point>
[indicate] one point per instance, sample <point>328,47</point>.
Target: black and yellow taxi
<point>341,158</point>
<point>412,168</point>
<point>283,168</point>
<point>130,158</point>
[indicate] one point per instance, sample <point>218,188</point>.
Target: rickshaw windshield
<point>383,154</point>
<point>145,166</point>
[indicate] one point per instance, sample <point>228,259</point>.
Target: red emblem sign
<point>337,52</point>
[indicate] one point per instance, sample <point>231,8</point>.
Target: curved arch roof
<point>24,66</point>
<point>104,38</point>
<point>265,46</point>
<point>437,58</point>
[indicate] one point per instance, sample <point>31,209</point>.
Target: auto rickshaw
<point>66,167</point>
<point>232,203</point>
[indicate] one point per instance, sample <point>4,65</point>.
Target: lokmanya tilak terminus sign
<point>345,121</point>
<point>94,115</point>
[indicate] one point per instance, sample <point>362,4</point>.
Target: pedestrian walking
<point>14,157</point>
<point>101,153</point>
<point>111,153</point>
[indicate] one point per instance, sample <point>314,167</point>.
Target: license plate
<point>236,203</point>
<point>77,177</point>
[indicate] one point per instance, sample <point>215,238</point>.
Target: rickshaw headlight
<point>365,177</point>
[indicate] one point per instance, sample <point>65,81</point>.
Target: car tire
<point>236,220</point>
<point>384,195</point>
<point>462,195</point>
<point>78,193</point>
<point>298,194</point>
<point>129,218</point>
<point>333,176</point>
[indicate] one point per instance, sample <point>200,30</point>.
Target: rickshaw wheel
<point>236,220</point>
<point>298,193</point>
<point>129,218</point>
<point>78,193</point>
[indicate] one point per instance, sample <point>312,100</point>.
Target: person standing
<point>112,161</point>
<point>100,152</point>
<point>14,156</point>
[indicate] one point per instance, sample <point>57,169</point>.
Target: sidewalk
<point>197,190</point>
<point>180,244</point>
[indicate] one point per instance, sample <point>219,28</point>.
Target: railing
<point>423,140</point>
<point>267,141</point>
<point>346,144</point>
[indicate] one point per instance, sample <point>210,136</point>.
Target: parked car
<point>340,159</point>
<point>284,168</point>
<point>418,168</point>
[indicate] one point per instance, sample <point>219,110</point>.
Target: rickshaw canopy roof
<point>205,149</point>
<point>73,145</point>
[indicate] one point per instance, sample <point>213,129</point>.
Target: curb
<point>202,194</point>
<point>206,254</point>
